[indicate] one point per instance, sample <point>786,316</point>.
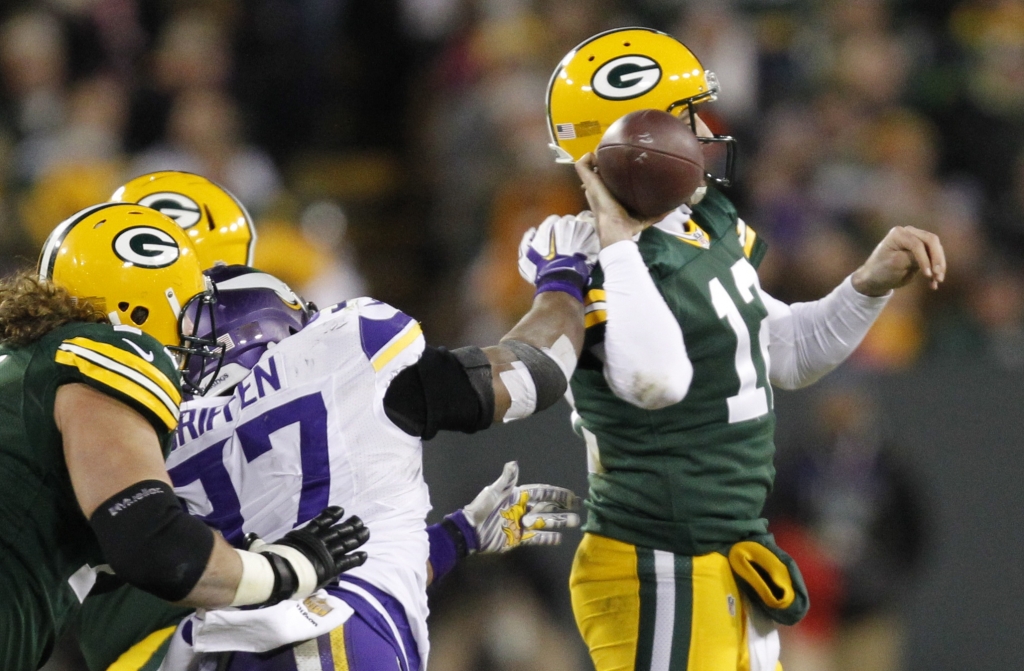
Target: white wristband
<point>300,564</point>
<point>257,583</point>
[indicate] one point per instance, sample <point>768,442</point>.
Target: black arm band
<point>286,582</point>
<point>547,375</point>
<point>444,390</point>
<point>150,542</point>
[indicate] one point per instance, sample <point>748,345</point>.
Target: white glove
<point>505,516</point>
<point>560,249</point>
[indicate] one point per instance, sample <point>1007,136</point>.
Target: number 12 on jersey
<point>751,401</point>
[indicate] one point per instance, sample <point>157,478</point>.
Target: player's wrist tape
<point>537,380</point>
<point>272,574</point>
<point>258,581</point>
<point>150,541</point>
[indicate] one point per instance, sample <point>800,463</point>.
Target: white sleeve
<point>645,358</point>
<point>808,340</point>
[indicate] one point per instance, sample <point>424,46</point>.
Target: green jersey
<point>692,477</point>
<point>48,552</point>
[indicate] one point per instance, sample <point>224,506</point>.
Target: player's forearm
<point>554,315</point>
<point>219,583</point>
<point>645,356</point>
<point>554,326</point>
<point>808,340</point>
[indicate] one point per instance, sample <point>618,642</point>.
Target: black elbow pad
<point>150,541</point>
<point>444,390</point>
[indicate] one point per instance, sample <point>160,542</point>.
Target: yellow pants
<point>146,654</point>
<point>640,609</point>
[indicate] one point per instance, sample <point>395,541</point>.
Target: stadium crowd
<point>424,122</point>
<point>399,148</point>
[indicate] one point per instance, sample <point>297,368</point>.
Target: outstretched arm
<point>503,516</point>
<point>470,388</point>
<point>810,339</point>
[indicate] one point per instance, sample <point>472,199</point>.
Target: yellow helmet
<point>132,262</point>
<point>216,223</point>
<point>621,71</point>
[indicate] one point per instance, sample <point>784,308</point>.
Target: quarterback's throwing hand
<point>612,221</point>
<point>505,515</point>
<point>896,260</point>
<point>558,254</point>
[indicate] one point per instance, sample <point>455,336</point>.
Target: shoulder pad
<point>125,363</point>
<point>389,337</point>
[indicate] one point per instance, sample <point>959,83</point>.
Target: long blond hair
<point>31,307</point>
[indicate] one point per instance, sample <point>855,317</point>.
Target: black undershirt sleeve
<point>444,390</point>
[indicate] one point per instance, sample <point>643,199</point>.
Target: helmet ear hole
<point>122,306</point>
<point>140,315</point>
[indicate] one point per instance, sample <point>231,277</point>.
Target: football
<point>651,162</point>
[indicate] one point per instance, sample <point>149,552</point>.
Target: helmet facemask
<point>726,157</point>
<point>195,351</point>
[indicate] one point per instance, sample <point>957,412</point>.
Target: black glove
<point>306,559</point>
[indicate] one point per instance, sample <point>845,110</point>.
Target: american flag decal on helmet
<point>565,131</point>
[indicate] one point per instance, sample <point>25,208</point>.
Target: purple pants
<point>366,642</point>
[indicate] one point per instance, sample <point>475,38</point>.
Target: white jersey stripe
<point>124,371</point>
<point>664,610</point>
<point>307,656</point>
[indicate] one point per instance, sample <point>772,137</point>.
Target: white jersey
<point>307,429</point>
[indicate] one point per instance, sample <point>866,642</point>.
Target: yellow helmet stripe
<point>56,238</point>
<point>133,361</point>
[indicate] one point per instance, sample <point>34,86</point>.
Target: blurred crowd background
<point>397,148</point>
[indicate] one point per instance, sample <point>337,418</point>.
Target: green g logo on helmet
<point>146,246</point>
<point>178,207</point>
<point>621,71</point>
<point>626,77</point>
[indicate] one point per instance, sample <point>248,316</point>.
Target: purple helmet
<point>252,311</point>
